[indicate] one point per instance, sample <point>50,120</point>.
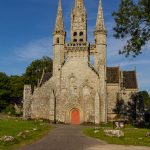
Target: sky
<point>26,28</point>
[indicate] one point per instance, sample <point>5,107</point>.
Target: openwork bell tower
<point>79,22</point>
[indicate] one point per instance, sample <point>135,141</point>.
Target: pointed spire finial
<point>100,26</point>
<point>79,3</point>
<point>59,26</point>
<point>100,2</point>
<point>60,5</point>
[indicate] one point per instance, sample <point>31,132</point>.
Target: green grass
<point>133,136</point>
<point>12,127</point>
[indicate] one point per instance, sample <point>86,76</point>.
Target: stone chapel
<point>79,92</point>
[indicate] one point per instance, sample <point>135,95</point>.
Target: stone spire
<point>79,3</point>
<point>59,26</point>
<point>100,26</point>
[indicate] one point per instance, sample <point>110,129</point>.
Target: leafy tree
<point>4,90</point>
<point>133,22</point>
<point>11,87</point>
<point>34,71</point>
<point>121,107</point>
<point>146,98</point>
<point>136,107</point>
<point>16,86</point>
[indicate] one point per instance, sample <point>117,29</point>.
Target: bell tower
<point>79,23</point>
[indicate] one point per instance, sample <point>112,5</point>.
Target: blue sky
<point>26,28</point>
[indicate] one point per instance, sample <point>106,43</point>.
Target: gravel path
<point>71,138</point>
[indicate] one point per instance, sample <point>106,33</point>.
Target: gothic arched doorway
<point>75,116</point>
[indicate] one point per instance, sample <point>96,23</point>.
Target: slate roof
<point>129,77</point>
<point>129,80</point>
<point>113,77</point>
<point>113,74</point>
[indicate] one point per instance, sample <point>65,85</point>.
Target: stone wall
<point>78,90</point>
<point>41,98</point>
<point>112,94</point>
<point>27,98</point>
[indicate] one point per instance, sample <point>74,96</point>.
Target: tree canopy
<point>4,90</point>
<point>4,86</point>
<point>133,22</point>
<point>136,107</point>
<point>146,99</point>
<point>11,87</point>
<point>16,84</point>
<point>34,71</point>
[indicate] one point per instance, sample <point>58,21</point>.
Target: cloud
<point>34,50</point>
<point>134,62</point>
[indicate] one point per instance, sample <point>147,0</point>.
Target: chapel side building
<point>79,92</point>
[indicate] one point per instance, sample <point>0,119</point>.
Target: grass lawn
<point>11,127</point>
<point>133,136</point>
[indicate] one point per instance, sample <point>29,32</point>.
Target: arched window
<point>75,40</point>
<point>57,40</point>
<point>81,40</point>
<point>81,33</point>
<point>75,34</point>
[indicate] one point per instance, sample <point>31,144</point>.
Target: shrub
<point>10,110</point>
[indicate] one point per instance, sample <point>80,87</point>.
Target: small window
<point>81,33</point>
<point>75,40</point>
<point>57,41</point>
<point>75,34</point>
<point>81,40</point>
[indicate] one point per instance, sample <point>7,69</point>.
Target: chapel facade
<point>78,91</point>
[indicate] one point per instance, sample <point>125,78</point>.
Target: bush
<point>3,105</point>
<point>10,110</point>
<point>19,114</point>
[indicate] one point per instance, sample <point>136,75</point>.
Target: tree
<point>4,90</point>
<point>136,108</point>
<point>146,99</point>
<point>11,87</point>
<point>35,69</point>
<point>133,22</point>
<point>120,108</point>
<point>16,84</point>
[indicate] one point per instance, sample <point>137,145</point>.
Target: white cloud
<point>134,62</point>
<point>34,50</point>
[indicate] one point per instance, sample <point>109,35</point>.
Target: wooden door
<point>75,117</point>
